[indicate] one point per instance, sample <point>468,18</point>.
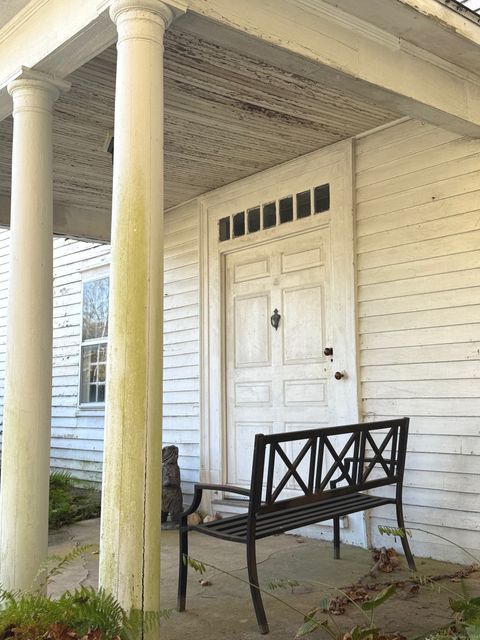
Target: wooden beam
<point>72,222</point>
<point>52,38</point>
<point>347,51</point>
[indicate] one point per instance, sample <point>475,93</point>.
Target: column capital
<point>165,11</point>
<point>36,87</point>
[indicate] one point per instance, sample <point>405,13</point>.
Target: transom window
<point>94,340</point>
<point>271,214</point>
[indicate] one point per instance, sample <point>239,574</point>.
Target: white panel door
<point>277,380</point>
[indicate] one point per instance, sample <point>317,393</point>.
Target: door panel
<point>252,335</point>
<point>280,380</point>
<point>303,335</point>
<point>243,437</point>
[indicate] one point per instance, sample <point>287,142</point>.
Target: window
<point>94,340</point>
<point>295,206</point>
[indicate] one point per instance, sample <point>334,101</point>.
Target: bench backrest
<point>323,463</point>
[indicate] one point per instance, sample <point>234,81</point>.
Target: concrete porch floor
<point>223,610</point>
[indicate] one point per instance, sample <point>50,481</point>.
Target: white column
<point>131,525</point>
<point>28,378</point>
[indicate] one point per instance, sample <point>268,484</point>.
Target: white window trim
<point>88,274</point>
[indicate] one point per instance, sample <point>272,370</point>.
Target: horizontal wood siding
<point>181,391</point>
<point>418,252</point>
<point>77,434</point>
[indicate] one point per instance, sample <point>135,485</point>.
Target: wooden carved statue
<point>172,501</point>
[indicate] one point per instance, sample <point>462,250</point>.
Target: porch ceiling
<point>228,114</point>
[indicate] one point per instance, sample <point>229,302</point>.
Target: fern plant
<point>83,613</point>
<point>70,502</point>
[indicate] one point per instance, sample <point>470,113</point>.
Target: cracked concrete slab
<point>223,609</point>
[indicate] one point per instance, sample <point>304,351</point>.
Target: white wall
<point>181,422</point>
<point>77,434</point>
<point>418,252</point>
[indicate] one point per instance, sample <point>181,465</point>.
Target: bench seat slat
<point>235,528</point>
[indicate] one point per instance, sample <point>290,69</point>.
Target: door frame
<point>249,192</point>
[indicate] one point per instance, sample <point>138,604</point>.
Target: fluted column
<point>131,522</point>
<point>28,377</point>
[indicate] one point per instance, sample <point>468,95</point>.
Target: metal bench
<point>303,478</point>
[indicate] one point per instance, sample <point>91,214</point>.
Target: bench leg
<point>336,538</point>
<point>254,588</point>
<point>404,539</point>
<point>182,568</point>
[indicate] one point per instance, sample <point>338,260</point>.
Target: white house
<point>80,278</point>
<point>316,159</point>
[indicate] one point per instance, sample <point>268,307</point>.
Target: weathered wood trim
<point>70,221</point>
<point>46,47</point>
<point>344,49</point>
<point>367,59</point>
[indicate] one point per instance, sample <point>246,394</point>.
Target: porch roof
<point>229,113</point>
<point>239,99</point>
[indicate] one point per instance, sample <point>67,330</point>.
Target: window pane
<point>239,224</point>
<point>321,198</point>
<point>224,229</point>
<point>286,209</point>
<point>269,215</point>
<point>92,383</point>
<point>95,309</point>
<point>254,220</point>
<point>304,208</point>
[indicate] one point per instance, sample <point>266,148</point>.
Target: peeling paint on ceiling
<point>227,116</point>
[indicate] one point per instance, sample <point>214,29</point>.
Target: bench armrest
<point>201,487</point>
<point>223,487</point>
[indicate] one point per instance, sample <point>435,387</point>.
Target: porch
<point>223,608</point>
<point>250,108</point>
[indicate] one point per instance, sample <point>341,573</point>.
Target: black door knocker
<point>275,319</point>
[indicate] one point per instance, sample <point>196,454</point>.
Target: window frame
<point>90,275</point>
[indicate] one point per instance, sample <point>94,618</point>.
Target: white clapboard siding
<point>418,268</point>
<point>181,397</point>
<point>77,434</point>
<point>77,440</point>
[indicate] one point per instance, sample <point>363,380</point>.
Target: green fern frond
<point>60,480</point>
<point>194,564</point>
<point>394,531</point>
<point>64,562</point>
<point>138,623</point>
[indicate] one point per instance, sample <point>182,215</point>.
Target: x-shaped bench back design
<point>357,458</point>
